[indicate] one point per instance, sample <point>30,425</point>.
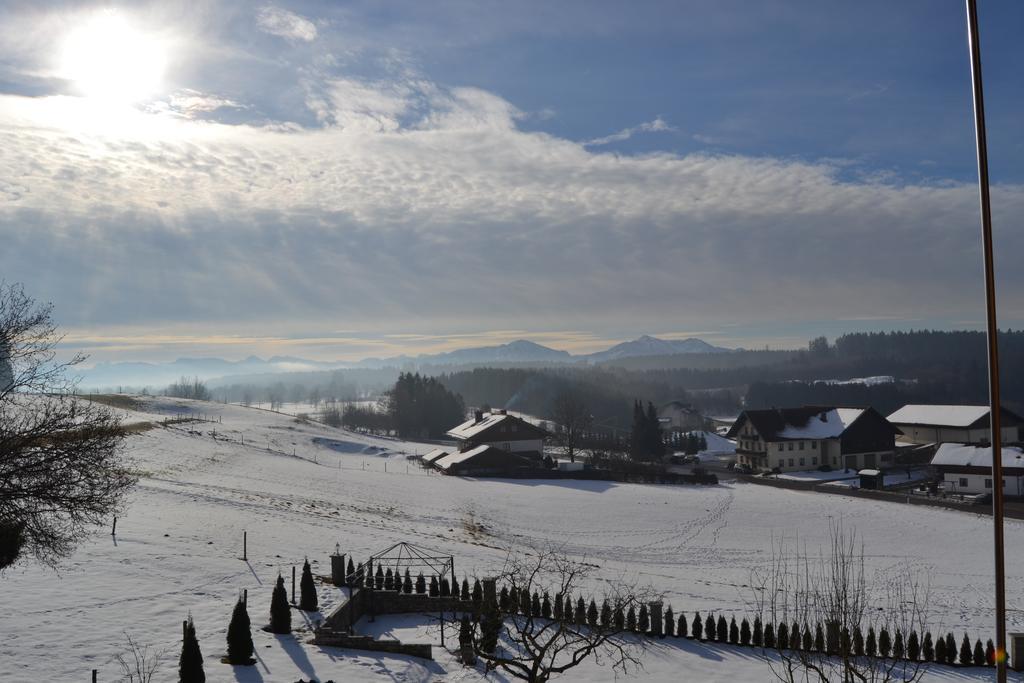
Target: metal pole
<point>245,545</point>
<point>992,336</point>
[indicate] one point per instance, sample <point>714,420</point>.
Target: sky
<point>336,180</point>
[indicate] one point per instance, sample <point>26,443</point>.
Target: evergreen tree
<point>913,647</point>
<point>240,647</point>
<point>669,628</point>
<point>350,573</point>
<point>557,607</point>
<point>389,580</point>
<point>580,617</point>
<point>308,599</point>
<point>794,636</point>
<point>644,623</point>
<point>620,619</point>
<point>190,664</point>
<point>435,589</point>
<point>524,602</point>
<point>990,653</point>
<point>734,632</point>
<point>950,649</point>
<point>819,638</point>
<point>631,619</point>
<point>378,580</point>
<point>807,641</point>
<point>757,637</point>
<point>535,605</point>
<point>446,588</point>
<point>545,606</point>
<point>682,626</point>
<point>871,646</point>
<point>478,594</point>
<point>407,582</point>
<point>709,627</point>
<point>280,612</point>
<point>504,601</point>
<point>858,642</point>
<point>745,632</point>
<point>769,636</point>
<point>697,628</point>
<point>927,648</point>
<point>722,630</point>
<point>592,613</point>
<point>465,589</point>
<point>979,654</point>
<point>782,636</point>
<point>421,584</point>
<point>465,632</point>
<point>884,643</point>
<point>655,444</point>
<point>898,650</point>
<point>940,650</point>
<point>966,656</point>
<point>399,582</point>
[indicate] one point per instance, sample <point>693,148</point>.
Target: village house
<point>953,424</point>
<point>794,439</point>
<point>968,469</point>
<point>676,416</point>
<point>490,443</point>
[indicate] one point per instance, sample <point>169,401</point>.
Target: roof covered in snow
<point>940,416</point>
<point>808,422</point>
<point>960,455</point>
<point>474,428</point>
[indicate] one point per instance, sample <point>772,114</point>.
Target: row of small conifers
<point>883,643</point>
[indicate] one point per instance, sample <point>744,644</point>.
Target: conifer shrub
<point>620,619</point>
<point>240,647</point>
<point>782,636</point>
<point>807,640</point>
<point>734,631</point>
<point>794,637</point>
<point>280,612</point>
<point>435,588</point>
<point>722,630</point>
<point>769,636</point>
<point>580,617</point>
<point>697,627</point>
<point>631,619</point>
<point>966,655</point>
<point>950,649</point>
<point>535,605</point>
<point>378,578</point>
<point>757,636</point>
<point>913,647</point>
<point>927,647</point>
<point>979,654</point>
<point>643,624</point>
<point>478,594</point>
<point>592,613</point>
<point>308,599</point>
<point>682,626</point>
<point>350,573</point>
<point>556,608</point>
<point>709,627</point>
<point>606,614</point>
<point>389,580</point>
<point>884,643</point>
<point>465,632</point>
<point>446,588</point>
<point>858,641</point>
<point>940,650</point>
<point>407,582</point>
<point>871,646</point>
<point>990,653</point>
<point>421,584</point>
<point>745,634</point>
<point>190,664</point>
<point>898,648</point>
<point>819,638</point>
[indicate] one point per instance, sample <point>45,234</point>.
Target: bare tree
<point>61,467</point>
<point>572,414</point>
<point>831,594</point>
<point>140,663</point>
<point>534,646</point>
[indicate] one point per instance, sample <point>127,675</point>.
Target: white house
<point>794,439</point>
<point>501,430</point>
<point>968,469</point>
<point>953,424</point>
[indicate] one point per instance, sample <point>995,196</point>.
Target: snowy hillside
<point>179,545</point>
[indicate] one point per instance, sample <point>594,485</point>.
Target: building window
<point>801,462</point>
<point>780,446</point>
<point>988,483</point>
<point>801,445</point>
<point>790,446</point>
<point>791,462</point>
<point>963,482</point>
<point>814,461</point>
<point>814,444</point>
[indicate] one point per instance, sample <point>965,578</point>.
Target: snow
<point>938,415</point>
<point>178,551</point>
<point>867,381</point>
<point>961,455</point>
<point>717,445</point>
<point>455,458</point>
<point>829,425</point>
<point>471,428</point>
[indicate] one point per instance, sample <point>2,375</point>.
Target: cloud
<point>656,126</point>
<point>281,22</point>
<point>417,208</point>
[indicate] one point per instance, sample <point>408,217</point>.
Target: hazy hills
<point>517,352</point>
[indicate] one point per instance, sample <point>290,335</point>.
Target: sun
<point>108,59</point>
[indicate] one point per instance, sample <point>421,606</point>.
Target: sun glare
<point>107,59</point>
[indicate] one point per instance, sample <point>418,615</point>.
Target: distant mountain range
<point>519,351</point>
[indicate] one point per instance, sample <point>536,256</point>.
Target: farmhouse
<point>954,424</point>
<point>968,469</point>
<point>490,443</point>
<point>679,416</point>
<point>793,439</point>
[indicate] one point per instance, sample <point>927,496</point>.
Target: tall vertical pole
<point>993,338</point>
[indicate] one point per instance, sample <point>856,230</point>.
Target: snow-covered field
<point>179,545</point>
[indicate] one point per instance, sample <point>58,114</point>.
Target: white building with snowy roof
<point>490,443</point>
<point>953,424</point>
<point>968,469</point>
<point>794,439</point>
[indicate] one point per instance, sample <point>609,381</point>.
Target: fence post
<point>113,529</point>
<point>293,584</point>
<point>245,546</point>
<point>95,672</point>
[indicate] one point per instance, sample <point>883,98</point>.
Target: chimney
<point>478,415</point>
